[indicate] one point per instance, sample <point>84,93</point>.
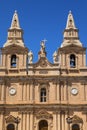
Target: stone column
<point>57,92</point>
<point>0,91</point>
<point>84,92</point>
<point>31,121</point>
<point>28,122</point>
<point>23,91</point>
<point>65,94</point>
<point>37,124</point>
<point>3,60</point>
<point>66,124</point>
<point>23,62</point>
<point>24,122</point>
<point>62,92</point>
<point>65,60</point>
<point>25,57</point>
<point>83,59</point>
<point>7,63</point>
<point>59,121</point>
<point>31,93</point>
<point>1,121</point>
<point>49,126</point>
<point>22,87</point>
<point>54,122</point>
<point>27,89</point>
<point>62,59</point>
<point>20,123</point>
<point>77,62</point>
<point>3,92</point>
<point>63,121</point>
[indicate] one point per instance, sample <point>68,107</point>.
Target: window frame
<point>73,64</point>
<point>13,65</point>
<point>43,94</point>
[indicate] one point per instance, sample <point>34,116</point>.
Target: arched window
<point>13,61</point>
<point>72,61</point>
<point>43,95</point>
<point>10,127</point>
<point>43,125</point>
<point>75,127</point>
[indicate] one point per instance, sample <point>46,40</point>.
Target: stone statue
<point>30,57</point>
<point>55,57</point>
<point>42,47</point>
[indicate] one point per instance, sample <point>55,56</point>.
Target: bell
<point>13,60</point>
<point>72,60</point>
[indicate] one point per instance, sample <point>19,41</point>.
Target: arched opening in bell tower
<point>43,125</point>
<point>13,61</point>
<point>72,61</point>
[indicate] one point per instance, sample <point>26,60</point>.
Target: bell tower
<point>71,53</point>
<point>14,52</point>
<point>15,33</point>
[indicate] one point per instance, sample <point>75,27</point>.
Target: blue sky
<point>43,19</point>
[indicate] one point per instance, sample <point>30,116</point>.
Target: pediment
<point>14,49</point>
<point>10,119</point>
<point>77,119</point>
<point>43,114</point>
<point>72,47</point>
<point>43,62</point>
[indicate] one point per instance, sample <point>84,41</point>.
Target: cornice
<point>53,107</point>
<point>46,78</point>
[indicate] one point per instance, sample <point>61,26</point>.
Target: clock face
<point>12,91</point>
<point>74,91</point>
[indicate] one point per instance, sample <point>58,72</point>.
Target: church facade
<point>43,95</point>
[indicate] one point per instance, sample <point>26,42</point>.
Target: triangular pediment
<point>43,62</point>
<point>10,119</point>
<point>43,114</point>
<point>72,47</point>
<point>14,49</point>
<point>77,119</point>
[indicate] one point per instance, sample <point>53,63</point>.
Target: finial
<point>70,12</point>
<point>44,41</point>
<point>15,11</point>
<point>30,57</point>
<point>42,50</point>
<point>55,57</point>
<point>43,44</point>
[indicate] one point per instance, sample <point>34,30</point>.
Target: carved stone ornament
<point>77,119</point>
<point>43,62</point>
<point>30,57</point>
<point>43,114</point>
<point>12,119</point>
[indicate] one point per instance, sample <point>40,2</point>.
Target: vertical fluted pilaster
<point>31,92</point>
<point>54,121</point>
<point>59,121</point>
<point>28,122</point>
<point>1,121</point>
<point>66,124</point>
<point>63,121</point>
<point>31,121</point>
<point>3,92</point>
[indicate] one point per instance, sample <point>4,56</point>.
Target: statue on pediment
<point>30,57</point>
